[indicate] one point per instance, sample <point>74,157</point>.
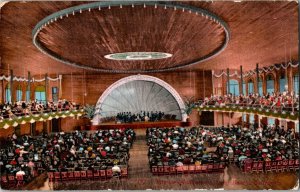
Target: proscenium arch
<point>128,79</point>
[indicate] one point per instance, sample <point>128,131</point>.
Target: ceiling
<point>260,32</point>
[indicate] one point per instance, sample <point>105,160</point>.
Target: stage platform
<point>138,125</point>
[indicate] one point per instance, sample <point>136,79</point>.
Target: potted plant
<point>89,111</point>
<point>189,106</point>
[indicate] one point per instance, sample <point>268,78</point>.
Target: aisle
<point>138,162</point>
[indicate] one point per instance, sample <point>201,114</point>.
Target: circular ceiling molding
<point>85,36</point>
<point>132,56</point>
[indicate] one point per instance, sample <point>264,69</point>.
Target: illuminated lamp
<point>32,121</point>
<point>15,124</point>
<point>6,126</point>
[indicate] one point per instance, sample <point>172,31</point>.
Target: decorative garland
<point>258,111</point>
<point>7,78</point>
<point>262,70</point>
<point>6,123</point>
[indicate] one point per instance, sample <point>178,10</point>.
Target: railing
<point>288,107</point>
<point>17,113</point>
<point>290,113</point>
<point>41,116</point>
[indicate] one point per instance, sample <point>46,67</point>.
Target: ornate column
<point>241,87</point>
<point>46,87</point>
<point>28,87</point>
<point>257,79</point>
<point>11,86</point>
<point>228,89</point>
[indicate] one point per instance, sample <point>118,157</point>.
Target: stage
<point>138,125</point>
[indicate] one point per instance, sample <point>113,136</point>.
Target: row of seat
<point>270,166</point>
<point>12,180</point>
<point>188,169</point>
<point>102,174</point>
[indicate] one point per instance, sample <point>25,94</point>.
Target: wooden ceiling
<point>87,37</point>
<point>261,32</point>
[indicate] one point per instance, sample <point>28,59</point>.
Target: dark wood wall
<point>74,87</point>
<point>185,83</point>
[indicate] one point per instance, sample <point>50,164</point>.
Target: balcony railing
<point>22,118</point>
<point>283,112</point>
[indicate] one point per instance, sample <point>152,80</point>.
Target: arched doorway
<point>139,93</point>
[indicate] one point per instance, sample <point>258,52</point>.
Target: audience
<point>178,146</point>
<point>269,143</point>
<point>280,101</point>
<point>21,108</point>
<point>202,145</point>
<point>65,151</point>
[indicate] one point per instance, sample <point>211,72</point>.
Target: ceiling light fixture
<point>132,56</point>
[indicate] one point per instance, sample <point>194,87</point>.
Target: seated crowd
<point>129,117</point>
<point>270,143</point>
<point>21,108</point>
<point>179,146</point>
<point>279,101</point>
<point>60,152</point>
<point>202,145</point>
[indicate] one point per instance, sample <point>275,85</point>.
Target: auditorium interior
<point>149,95</point>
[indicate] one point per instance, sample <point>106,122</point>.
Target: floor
<point>140,178</point>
